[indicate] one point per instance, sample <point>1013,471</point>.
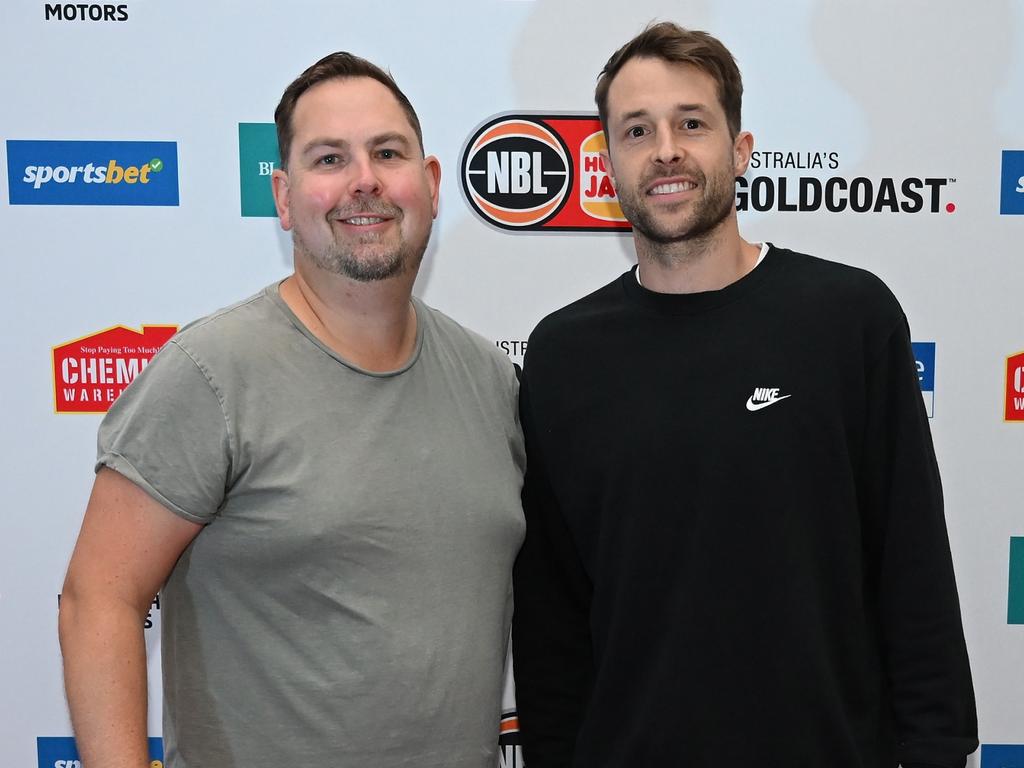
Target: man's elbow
<point>93,614</point>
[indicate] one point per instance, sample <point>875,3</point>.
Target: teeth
<point>667,189</point>
<point>363,220</point>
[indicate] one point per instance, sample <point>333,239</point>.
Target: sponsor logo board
<point>1014,410</point>
<point>258,156</point>
<point>924,356</point>
<point>812,180</point>
<point>92,172</point>
<point>540,173</point>
<point>89,373</point>
<point>1002,756</point>
<point>1011,188</point>
<point>85,12</point>
<point>61,752</point>
<point>1015,592</point>
<point>510,750</point>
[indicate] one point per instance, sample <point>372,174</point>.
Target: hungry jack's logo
<point>540,173</point>
<point>89,373</point>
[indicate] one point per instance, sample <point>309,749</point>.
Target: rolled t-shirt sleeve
<point>167,433</point>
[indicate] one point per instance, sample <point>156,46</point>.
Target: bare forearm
<point>105,679</point>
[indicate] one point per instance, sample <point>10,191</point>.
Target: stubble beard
<point>344,258</point>
<point>695,231</point>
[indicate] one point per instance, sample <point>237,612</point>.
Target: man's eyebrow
<point>388,138</point>
<point>323,142</point>
<point>642,113</point>
<point>341,144</point>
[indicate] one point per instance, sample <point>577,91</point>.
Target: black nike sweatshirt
<point>736,553</point>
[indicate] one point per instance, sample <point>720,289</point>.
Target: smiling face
<point>670,152</point>
<point>358,195</point>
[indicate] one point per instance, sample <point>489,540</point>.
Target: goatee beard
<point>372,267</point>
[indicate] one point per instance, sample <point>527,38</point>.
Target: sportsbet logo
<point>62,752</point>
<point>112,173</point>
<point>544,173</point>
<point>92,172</point>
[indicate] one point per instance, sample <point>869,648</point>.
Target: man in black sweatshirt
<point>736,554</point>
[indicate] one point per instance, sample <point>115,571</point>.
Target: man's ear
<point>279,186</point>
<point>743,147</point>
<point>607,160</point>
<point>432,166</point>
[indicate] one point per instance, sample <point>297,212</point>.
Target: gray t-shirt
<point>348,601</point>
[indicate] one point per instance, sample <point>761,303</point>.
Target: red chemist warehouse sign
<point>1015,387</point>
<point>89,373</point>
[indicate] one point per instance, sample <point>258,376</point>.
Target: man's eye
<point>387,154</point>
<point>692,124</point>
<point>636,132</point>
<point>330,160</point>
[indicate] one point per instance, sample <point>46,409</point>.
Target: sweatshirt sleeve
<point>551,644</point>
<point>924,651</point>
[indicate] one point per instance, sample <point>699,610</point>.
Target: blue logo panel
<point>924,354</point>
<point>61,752</point>
<point>1015,592</point>
<point>92,172</point>
<point>1011,191</point>
<point>1002,756</point>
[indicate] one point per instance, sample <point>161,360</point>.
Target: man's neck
<point>709,263</point>
<point>372,325</point>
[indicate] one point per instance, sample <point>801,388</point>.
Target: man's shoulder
<point>231,329</point>
<point>462,341</point>
<point>844,287</point>
<point>574,320</point>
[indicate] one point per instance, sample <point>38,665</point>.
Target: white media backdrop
<point>930,92</point>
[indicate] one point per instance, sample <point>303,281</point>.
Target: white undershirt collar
<point>760,258</point>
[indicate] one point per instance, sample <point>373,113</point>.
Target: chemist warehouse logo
<point>61,752</point>
<point>92,172</point>
<point>89,373</point>
<point>808,182</point>
<point>540,173</point>
<point>1015,387</point>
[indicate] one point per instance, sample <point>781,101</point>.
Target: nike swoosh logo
<point>752,406</point>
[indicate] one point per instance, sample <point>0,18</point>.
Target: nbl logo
<point>541,173</point>
<point>510,753</point>
<point>516,172</point>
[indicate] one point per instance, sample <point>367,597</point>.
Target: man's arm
<point>125,551</point>
<point>931,692</point>
<point>551,643</point>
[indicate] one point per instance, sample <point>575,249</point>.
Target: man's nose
<point>364,179</point>
<point>667,148</point>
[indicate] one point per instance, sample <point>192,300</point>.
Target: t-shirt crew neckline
<point>273,292</point>
<point>695,303</point>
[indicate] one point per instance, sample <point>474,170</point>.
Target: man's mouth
<point>363,221</point>
<point>671,187</point>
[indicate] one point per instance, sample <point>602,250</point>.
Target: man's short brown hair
<point>335,65</point>
<point>672,43</point>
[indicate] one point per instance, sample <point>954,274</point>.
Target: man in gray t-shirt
<point>324,479</point>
